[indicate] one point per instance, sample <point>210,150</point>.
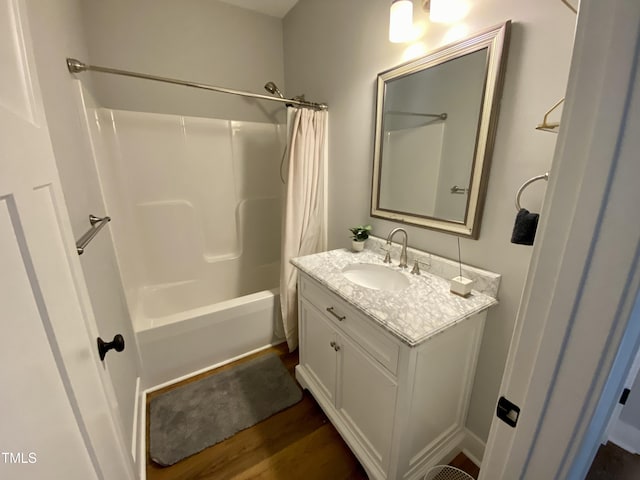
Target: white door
<point>577,327</point>
<point>56,418</point>
<point>366,399</point>
<point>319,340</point>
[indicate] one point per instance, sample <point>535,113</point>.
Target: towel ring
<point>526,184</point>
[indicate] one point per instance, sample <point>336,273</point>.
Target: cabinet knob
<point>336,348</point>
<point>333,344</point>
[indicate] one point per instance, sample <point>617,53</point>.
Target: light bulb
<point>401,21</point>
<point>448,11</point>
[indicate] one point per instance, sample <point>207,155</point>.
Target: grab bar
<point>96,225</point>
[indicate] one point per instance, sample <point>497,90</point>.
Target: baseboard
<point>473,447</point>
<point>440,454</point>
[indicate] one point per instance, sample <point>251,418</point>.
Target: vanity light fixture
<point>400,21</point>
<point>446,11</point>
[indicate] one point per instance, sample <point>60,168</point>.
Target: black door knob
<point>116,344</point>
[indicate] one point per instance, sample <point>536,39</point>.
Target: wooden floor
<point>297,443</point>
<point>614,463</point>
<point>463,463</point>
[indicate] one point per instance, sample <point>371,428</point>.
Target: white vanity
<point>392,368</point>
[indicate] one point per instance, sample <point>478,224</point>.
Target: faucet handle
<point>386,248</point>
<point>416,266</point>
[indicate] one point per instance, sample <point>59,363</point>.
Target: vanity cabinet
<point>351,382</point>
<point>400,408</point>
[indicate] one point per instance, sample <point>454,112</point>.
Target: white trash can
<point>446,472</point>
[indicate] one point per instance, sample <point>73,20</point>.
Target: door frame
<point>573,341</point>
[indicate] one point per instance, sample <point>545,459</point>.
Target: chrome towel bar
<point>96,225</point>
<point>526,184</point>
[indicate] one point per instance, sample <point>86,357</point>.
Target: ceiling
<point>274,8</point>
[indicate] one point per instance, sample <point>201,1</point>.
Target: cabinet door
<point>366,398</point>
<point>319,355</point>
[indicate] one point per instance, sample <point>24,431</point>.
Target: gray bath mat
<point>188,419</point>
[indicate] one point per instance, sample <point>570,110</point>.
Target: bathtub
<point>197,212</point>
<point>187,342</point>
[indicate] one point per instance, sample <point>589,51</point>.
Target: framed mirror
<point>435,127</point>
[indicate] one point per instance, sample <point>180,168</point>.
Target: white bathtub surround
<point>304,220</point>
<point>196,205</point>
<point>414,314</point>
<point>412,180</point>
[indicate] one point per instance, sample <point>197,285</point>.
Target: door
<point>57,421</point>
<point>319,341</point>
<point>576,328</point>
<point>367,399</point>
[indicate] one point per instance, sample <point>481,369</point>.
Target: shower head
<point>273,89</point>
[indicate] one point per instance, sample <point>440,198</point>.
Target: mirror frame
<point>496,41</point>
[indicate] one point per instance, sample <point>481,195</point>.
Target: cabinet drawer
<point>361,329</point>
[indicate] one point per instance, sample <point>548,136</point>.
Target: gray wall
<point>56,29</point>
<point>333,51</point>
<point>198,40</point>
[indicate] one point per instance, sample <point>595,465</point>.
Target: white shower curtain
<point>304,230</point>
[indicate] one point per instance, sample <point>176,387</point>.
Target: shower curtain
<point>304,230</point>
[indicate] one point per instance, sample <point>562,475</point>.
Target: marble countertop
<point>423,309</point>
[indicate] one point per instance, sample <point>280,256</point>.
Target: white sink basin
<point>376,277</point>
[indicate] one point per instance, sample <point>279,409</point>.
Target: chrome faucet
<point>403,252</point>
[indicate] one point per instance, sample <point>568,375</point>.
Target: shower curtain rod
<point>76,66</point>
